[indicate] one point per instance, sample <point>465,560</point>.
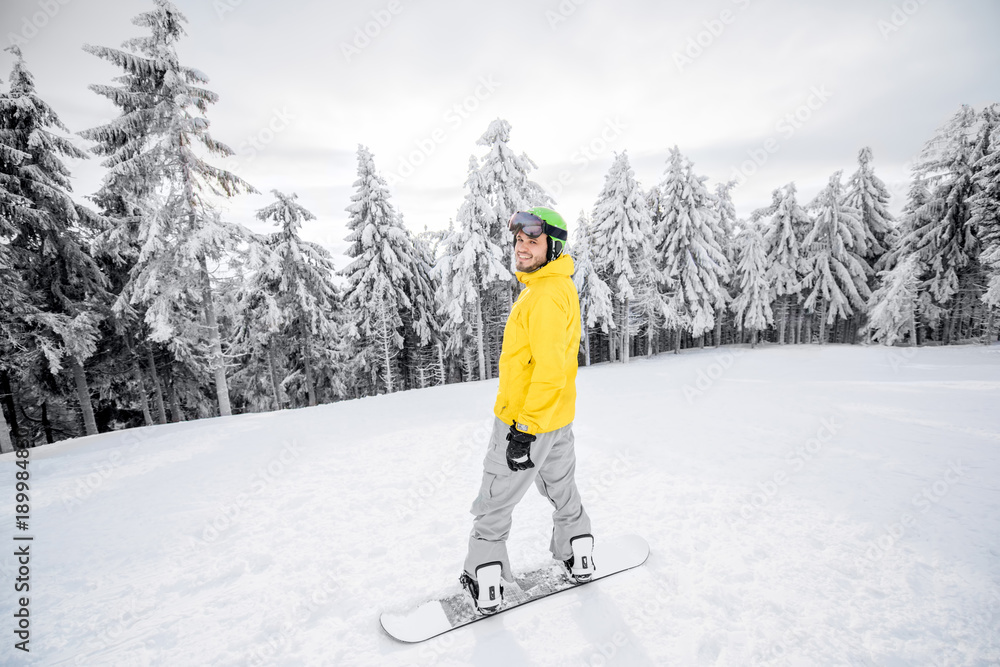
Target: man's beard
<point>529,268</point>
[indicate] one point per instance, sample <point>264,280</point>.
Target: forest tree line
<point>148,307</point>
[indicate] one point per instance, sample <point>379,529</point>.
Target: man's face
<point>529,253</point>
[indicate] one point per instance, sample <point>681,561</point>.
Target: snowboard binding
<point>580,567</point>
<point>486,588</point>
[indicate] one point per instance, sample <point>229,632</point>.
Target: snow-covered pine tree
<point>622,234</point>
<point>60,288</point>
<point>947,239</point>
<point>835,273</point>
<point>508,188</point>
<point>14,296</point>
<point>288,303</point>
<point>596,308</point>
<point>892,308</point>
<point>688,247</point>
<point>472,267</point>
<point>156,171</point>
<point>784,231</point>
<point>729,229</point>
<point>421,324</point>
<point>752,304</point>
<point>867,193</point>
<point>385,293</point>
<point>505,182</point>
<point>986,216</point>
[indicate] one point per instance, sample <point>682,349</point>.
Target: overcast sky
<point>769,91</point>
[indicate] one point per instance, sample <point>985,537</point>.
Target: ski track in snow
<point>803,506</point>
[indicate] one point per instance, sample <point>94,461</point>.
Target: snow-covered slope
<point>803,505</point>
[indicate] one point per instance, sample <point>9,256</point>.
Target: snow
<point>804,505</point>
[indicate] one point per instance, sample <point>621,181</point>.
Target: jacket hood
<point>560,266</point>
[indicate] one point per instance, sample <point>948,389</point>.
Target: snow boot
<point>580,567</point>
<point>485,588</point>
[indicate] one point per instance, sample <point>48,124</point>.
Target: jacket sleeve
<point>549,332</point>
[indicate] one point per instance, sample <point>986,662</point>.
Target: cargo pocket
<point>496,479</point>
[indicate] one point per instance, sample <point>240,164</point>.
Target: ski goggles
<point>533,226</point>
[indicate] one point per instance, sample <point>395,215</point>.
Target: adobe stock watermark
<point>901,356</point>
<point>779,648</point>
<point>223,7</point>
<point>598,486</point>
<point>587,153</point>
<point>229,514</point>
<point>248,150</point>
<point>32,25</point>
<point>431,483</point>
<point>786,128</point>
<point>456,114</point>
<point>899,17</point>
<point>796,461</point>
<point>706,377</point>
<point>328,589</point>
<point>929,496</point>
<point>711,30</point>
<point>563,11</point>
<point>88,484</point>
<point>365,34</point>
<point>608,650</point>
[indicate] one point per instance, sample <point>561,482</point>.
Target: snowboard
<point>436,617</point>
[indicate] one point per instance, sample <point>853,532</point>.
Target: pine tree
<point>835,274</point>
<point>596,308</point>
<point>729,229</point>
<point>947,239</point>
<point>507,187</point>
<point>156,173</point>
<point>892,308</point>
<point>689,247</point>
<point>752,304</point>
<point>785,230</point>
<point>623,258</point>
<point>59,293</point>
<point>472,267</point>
<point>867,193</point>
<point>986,213</point>
<point>289,295</point>
<point>385,292</point>
<point>505,182</point>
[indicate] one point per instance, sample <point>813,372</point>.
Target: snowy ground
<point>804,506</point>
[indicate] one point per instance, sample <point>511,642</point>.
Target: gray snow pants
<point>502,488</point>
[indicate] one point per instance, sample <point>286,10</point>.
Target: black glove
<point>519,449</point>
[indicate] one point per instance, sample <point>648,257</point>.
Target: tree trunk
<point>6,443</point>
<point>46,424</point>
<point>7,398</point>
<point>913,330</point>
<point>140,383</point>
<point>83,395</point>
<point>217,363</point>
<point>782,318</point>
<point>677,341</point>
<point>586,346</point>
<point>279,401</point>
<point>480,343</point>
<point>161,408</point>
<point>306,348</point>
<point>718,327</point>
<point>176,414</point>
<point>626,334</point>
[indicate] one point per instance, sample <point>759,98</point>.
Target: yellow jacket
<point>540,345</point>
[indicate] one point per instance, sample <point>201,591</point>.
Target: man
<point>532,438</point>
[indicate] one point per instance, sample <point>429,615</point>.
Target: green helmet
<point>555,229</point>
